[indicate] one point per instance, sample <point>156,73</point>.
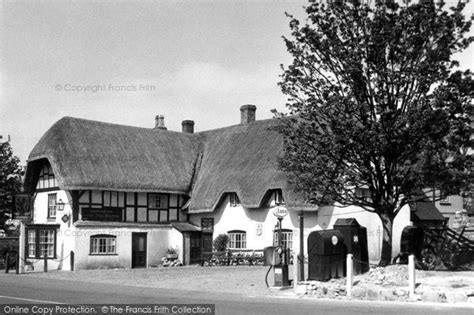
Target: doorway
<point>139,250</point>
<point>195,248</point>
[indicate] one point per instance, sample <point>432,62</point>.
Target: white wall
<point>77,239</point>
<point>252,221</point>
<point>64,241</point>
<point>176,241</point>
<point>329,214</point>
<point>258,224</point>
<point>158,240</point>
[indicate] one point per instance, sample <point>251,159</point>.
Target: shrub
<point>220,242</point>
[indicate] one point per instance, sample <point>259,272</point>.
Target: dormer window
<point>46,179</point>
<point>279,197</point>
<point>234,200</point>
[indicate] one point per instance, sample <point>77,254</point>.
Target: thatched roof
<point>88,154</point>
<point>240,159</point>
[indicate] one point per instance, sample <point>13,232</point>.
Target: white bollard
<point>411,275</point>
<point>349,271</point>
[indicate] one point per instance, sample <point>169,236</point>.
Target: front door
<point>138,250</point>
<point>195,247</point>
<point>206,245</point>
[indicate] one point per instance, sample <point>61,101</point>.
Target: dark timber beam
<point>76,194</point>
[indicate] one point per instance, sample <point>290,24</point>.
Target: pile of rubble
<point>394,275</point>
<point>391,284</point>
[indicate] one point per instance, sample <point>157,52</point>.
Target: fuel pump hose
<point>266,276</point>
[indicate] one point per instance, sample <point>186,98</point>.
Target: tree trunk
<point>387,224</point>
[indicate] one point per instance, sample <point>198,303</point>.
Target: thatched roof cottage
<point>122,196</point>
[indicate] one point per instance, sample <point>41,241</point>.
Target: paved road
<point>27,289</point>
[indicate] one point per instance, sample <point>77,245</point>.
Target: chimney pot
<point>247,114</point>
<point>160,122</point>
<point>188,126</point>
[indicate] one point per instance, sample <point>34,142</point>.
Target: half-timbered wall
<point>131,207</point>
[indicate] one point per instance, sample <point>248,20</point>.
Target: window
<point>237,239</point>
<point>31,243</point>
<point>363,193</point>
<point>52,205</point>
<point>445,201</point>
<point>286,238</point>
<point>279,197</point>
<point>46,243</point>
<point>46,179</point>
<point>103,245</point>
<point>164,208</point>
<point>41,242</point>
<point>158,201</point>
<point>234,200</point>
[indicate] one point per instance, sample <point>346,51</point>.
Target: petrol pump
<point>277,257</point>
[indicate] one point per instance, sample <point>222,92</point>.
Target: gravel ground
<point>388,283</point>
<point>247,280</point>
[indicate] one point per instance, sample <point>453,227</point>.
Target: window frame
<point>52,207</point>
<point>46,179</point>
<point>107,238</point>
<point>162,198</point>
<point>279,200</point>
<point>285,237</point>
<point>164,213</point>
<point>233,240</point>
<point>37,241</point>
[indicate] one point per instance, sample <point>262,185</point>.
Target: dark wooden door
<point>195,247</point>
<point>138,250</point>
<point>207,245</point>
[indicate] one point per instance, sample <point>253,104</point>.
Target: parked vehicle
<point>436,247</point>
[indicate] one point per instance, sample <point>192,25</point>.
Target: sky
<point>125,62</point>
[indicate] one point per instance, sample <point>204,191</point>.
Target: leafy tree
<point>375,102</point>
<point>10,180</point>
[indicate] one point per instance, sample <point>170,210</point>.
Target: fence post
<point>21,249</point>
<point>411,275</point>
<point>71,259</point>
<point>349,271</point>
<point>17,265</point>
<point>7,262</point>
<point>45,262</point>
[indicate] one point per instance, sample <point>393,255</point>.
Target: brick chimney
<point>247,114</point>
<point>188,126</point>
<point>160,122</point>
